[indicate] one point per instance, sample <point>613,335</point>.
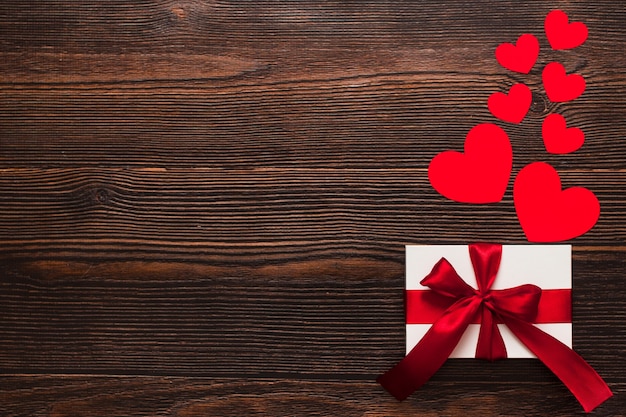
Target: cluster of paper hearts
<point>480,174</point>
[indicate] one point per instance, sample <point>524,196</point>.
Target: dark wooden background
<point>204,204</point>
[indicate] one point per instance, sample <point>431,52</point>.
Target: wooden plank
<point>193,25</point>
<point>372,123</point>
<point>65,396</point>
<point>258,215</point>
<point>335,315</point>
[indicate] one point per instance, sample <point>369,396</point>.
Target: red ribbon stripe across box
<point>455,306</point>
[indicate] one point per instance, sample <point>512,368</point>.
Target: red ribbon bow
<point>515,307</point>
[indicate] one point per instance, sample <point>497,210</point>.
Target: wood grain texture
<point>65,396</point>
<point>321,318</point>
<point>204,204</point>
<point>271,214</point>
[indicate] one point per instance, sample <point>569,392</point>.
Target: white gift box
<point>546,266</point>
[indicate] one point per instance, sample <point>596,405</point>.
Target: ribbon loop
<point>444,280</point>
<point>516,307</point>
<point>521,302</point>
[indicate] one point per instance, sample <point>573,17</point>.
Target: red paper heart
<point>559,86</point>
<point>547,213</point>
<point>512,107</point>
<point>559,139</point>
<point>481,174</point>
<point>519,57</point>
<point>564,35</point>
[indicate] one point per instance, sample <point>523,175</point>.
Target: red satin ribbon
<point>516,307</point>
<point>426,306</point>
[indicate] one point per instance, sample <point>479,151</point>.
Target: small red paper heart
<point>512,107</point>
<point>481,174</point>
<point>564,35</point>
<point>559,139</point>
<point>547,213</point>
<point>519,57</point>
<point>559,86</point>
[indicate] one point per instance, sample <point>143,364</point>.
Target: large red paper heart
<point>511,107</point>
<point>558,138</point>
<point>564,35</point>
<point>547,213</point>
<point>481,174</point>
<point>519,57</point>
<point>559,86</point>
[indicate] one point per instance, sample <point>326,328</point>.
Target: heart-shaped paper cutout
<point>519,57</point>
<point>564,35</point>
<point>511,107</point>
<point>558,138</point>
<point>547,213</point>
<point>559,86</point>
<point>481,174</point>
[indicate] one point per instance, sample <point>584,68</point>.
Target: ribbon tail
<point>431,352</point>
<point>578,376</point>
<point>490,345</point>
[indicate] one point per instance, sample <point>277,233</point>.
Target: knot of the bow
<point>520,302</point>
